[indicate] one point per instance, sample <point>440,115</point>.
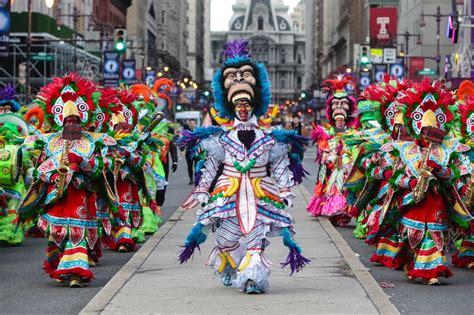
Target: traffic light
<point>303,95</point>
<point>453,28</point>
<point>364,58</point>
<point>206,93</point>
<point>120,40</point>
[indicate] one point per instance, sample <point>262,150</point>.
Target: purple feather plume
<point>236,48</point>
<point>187,139</point>
<point>298,171</point>
<point>188,252</point>
<point>7,92</point>
<point>295,260</point>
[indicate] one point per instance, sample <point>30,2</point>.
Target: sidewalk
<point>153,281</point>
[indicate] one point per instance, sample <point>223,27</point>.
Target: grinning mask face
<point>339,108</point>
<point>243,109</point>
<point>239,80</point>
<point>470,125</point>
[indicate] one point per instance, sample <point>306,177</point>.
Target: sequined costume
<point>244,183</point>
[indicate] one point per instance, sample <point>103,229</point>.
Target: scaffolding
<point>51,57</point>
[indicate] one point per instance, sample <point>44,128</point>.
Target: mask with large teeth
<point>339,109</point>
<point>239,82</point>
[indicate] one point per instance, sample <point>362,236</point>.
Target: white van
<point>181,117</point>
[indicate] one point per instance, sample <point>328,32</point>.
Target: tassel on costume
<point>296,167</point>
<point>295,260</point>
<point>193,240</point>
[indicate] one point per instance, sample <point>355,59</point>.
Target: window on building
<point>283,58</point>
<point>282,84</point>
<point>299,82</point>
<point>300,59</point>
<point>260,23</point>
<point>163,13</point>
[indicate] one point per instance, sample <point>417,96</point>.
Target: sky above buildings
<point>221,12</point>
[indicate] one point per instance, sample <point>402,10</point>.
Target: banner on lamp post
<point>5,28</point>
<point>150,77</point>
<point>397,69</point>
<point>383,27</point>
<point>364,79</point>
<point>111,68</point>
<point>379,72</point>
<point>128,71</point>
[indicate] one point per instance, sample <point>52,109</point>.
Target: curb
<point>100,301</point>
<point>375,293</point>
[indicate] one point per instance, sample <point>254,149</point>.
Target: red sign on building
<point>416,64</point>
<point>383,27</point>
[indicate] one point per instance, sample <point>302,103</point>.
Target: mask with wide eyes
<point>440,118</point>
<point>82,108</point>
<point>389,114</point>
<point>417,117</point>
<point>470,125</point>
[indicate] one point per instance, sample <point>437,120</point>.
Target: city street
<point>408,297</point>
<point>96,96</point>
<point>156,270</point>
<point>25,288</point>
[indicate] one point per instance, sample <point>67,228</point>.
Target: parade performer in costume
<point>149,105</point>
<point>128,174</point>
<point>382,213</point>
<point>427,181</point>
<point>244,184</point>
<point>70,169</point>
<point>334,159</point>
<point>14,164</point>
<point>362,143</point>
<point>464,257</point>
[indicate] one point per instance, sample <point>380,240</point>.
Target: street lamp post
<point>75,18</point>
<point>438,17</point>
<point>407,36</point>
<point>28,53</point>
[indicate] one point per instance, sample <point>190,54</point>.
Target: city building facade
<point>273,41</point>
<point>172,34</point>
<point>196,29</point>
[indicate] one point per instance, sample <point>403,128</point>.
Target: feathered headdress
<point>53,97</point>
<point>236,55</point>
<point>127,98</point>
<point>465,90</point>
<point>7,97</point>
<point>423,97</point>
<point>386,93</point>
<point>337,89</point>
<point>107,99</point>
<point>162,88</point>
<point>466,110</point>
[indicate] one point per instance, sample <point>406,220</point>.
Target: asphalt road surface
<point>454,295</point>
<point>26,289</point>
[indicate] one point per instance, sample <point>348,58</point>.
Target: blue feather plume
<point>295,260</point>
<point>291,137</point>
<point>265,91</point>
<point>190,139</point>
<point>193,240</point>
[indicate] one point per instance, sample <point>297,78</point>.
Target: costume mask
<point>339,108</point>
<point>238,81</point>
<point>426,115</point>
